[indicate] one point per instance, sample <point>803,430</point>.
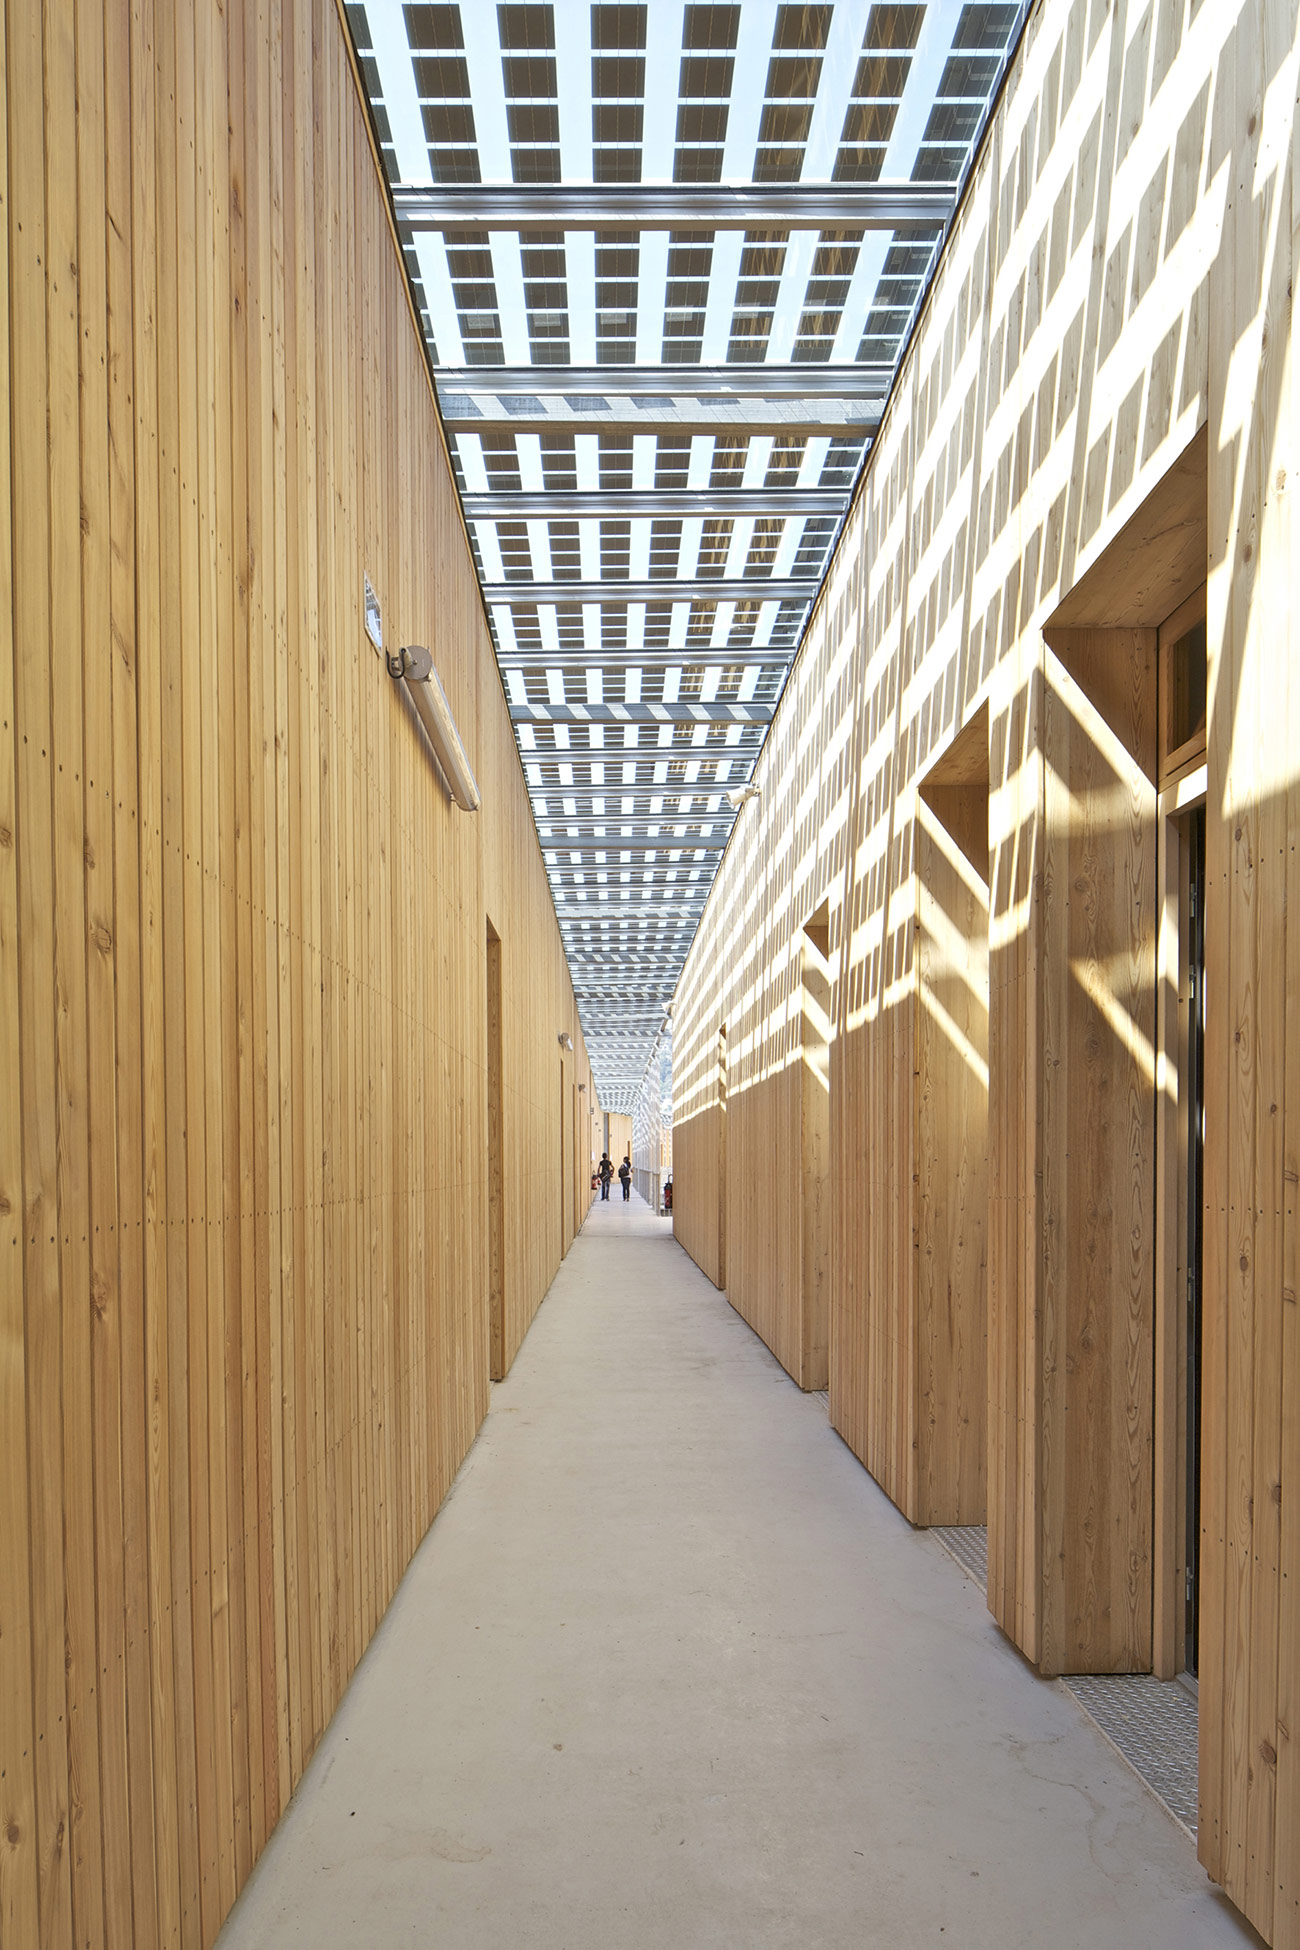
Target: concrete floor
<point>669,1670</point>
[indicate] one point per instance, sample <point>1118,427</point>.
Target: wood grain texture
<point>1095,411</point>
<point>952,1156</point>
<point>1096,1117</point>
<point>246,1231</point>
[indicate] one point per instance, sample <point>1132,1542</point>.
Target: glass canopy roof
<point>666,258</point>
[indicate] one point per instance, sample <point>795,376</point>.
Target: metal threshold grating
<point>969,1544</point>
<point>1151,1723</point>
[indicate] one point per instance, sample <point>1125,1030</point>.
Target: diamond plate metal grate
<point>1151,1723</point>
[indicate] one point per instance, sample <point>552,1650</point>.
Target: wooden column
<point>952,1003</point>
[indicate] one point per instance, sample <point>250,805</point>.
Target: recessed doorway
<point>496,1254</point>
<point>722,1158</point>
<point>1181,1137</point>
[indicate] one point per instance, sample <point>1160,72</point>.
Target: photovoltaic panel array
<point>665,259</point>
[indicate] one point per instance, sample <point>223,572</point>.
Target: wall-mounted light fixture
<point>413,666</point>
<point>564,1039</point>
<point>739,794</point>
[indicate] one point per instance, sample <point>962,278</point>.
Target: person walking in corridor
<point>625,1179</point>
<point>606,1172</point>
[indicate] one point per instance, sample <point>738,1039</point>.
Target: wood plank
<point>29,369</point>
<point>1286,1899</point>
<point>237,985</point>
<point>19,1859</point>
<point>127,931</point>
<point>65,486</point>
<point>179,964</point>
<point>100,922</point>
<point>148,468</point>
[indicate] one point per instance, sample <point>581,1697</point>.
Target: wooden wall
<point>1113,306</point>
<point>747,1120</point>
<point>243,1146</point>
<point>699,1155</point>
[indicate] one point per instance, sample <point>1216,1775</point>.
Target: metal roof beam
<point>586,795</point>
<point>640,1001</point>
<point>638,848</point>
<point>835,419</point>
<point>660,589</point>
<point>589,820</point>
<point>670,384</point>
<point>661,658</point>
<point>681,917</point>
<point>645,848</point>
<point>622,846</point>
<point>579,882</point>
<point>718,712</point>
<point>623,504</point>
<point>671,206</point>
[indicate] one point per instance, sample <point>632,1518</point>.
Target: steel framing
<point>774,380</point>
<point>659,660</point>
<point>719,712</point>
<point>833,419</point>
<point>623,504</point>
<point>672,206</point>
<point>660,589</point>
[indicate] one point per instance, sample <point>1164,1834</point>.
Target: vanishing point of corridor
<point>670,1670</point>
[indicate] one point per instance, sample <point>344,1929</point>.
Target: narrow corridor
<point>669,1670</point>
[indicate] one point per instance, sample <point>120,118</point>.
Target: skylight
<point>665,258</point>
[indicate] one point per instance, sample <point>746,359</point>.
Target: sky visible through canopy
<point>666,258</point>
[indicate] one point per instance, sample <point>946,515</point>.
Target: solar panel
<point>664,280</point>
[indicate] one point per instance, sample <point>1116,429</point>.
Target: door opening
<point>577,1164</point>
<point>564,1161</point>
<point>1195,1152</point>
<point>495,1165</point>
<point>815,1150</point>
<point>722,1158</point>
<point>1181,1135</point>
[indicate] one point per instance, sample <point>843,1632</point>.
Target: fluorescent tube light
<point>413,665</point>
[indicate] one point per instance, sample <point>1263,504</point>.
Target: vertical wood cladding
<point>244,1151</point>
<point>1113,306</point>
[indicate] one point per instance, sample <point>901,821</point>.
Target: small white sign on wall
<point>374,621</point>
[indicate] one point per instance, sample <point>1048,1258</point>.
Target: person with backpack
<point>625,1179</point>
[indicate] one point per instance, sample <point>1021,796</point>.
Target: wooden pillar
<point>1072,1049</point>
<point>951,1126</point>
